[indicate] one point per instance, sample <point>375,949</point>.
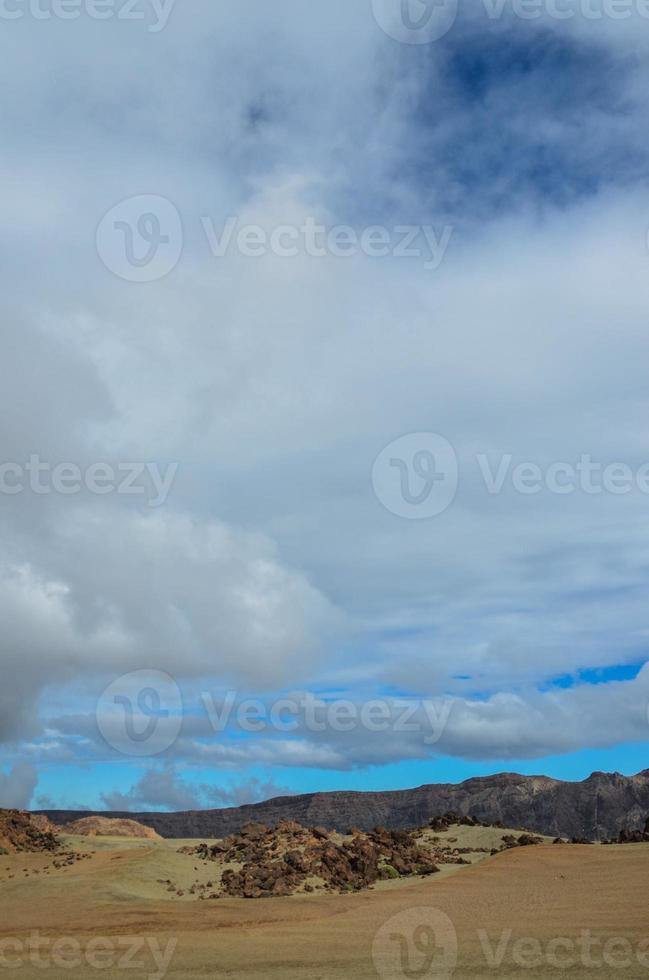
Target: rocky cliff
<point>598,808</point>
<point>21,831</point>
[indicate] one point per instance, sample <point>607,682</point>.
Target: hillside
<point>600,807</point>
<point>104,827</point>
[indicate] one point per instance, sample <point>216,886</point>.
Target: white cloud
<point>166,789</point>
<point>276,382</point>
<point>156,789</point>
<point>17,786</point>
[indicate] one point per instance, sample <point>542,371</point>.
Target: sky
<point>324,458</point>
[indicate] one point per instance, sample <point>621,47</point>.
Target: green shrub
<point>388,871</point>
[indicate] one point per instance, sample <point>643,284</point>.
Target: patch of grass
<point>388,871</point>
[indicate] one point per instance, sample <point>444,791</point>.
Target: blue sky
<point>407,460</point>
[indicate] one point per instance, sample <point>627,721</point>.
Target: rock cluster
<point>453,819</point>
<point>627,836</point>
<point>66,859</point>
<point>63,860</point>
<point>272,863</point>
<point>260,862</point>
<point>524,840</point>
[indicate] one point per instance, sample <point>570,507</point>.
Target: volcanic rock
<point>20,832</point>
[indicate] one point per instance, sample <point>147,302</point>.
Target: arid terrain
<point>111,907</point>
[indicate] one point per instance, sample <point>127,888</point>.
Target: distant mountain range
<point>597,808</point>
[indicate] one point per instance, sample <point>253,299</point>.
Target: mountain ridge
<point>596,808</point>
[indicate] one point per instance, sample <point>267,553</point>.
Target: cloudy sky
<point>323,396</point>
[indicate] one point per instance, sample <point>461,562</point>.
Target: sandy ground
<point>549,911</point>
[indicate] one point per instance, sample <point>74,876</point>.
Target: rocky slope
<point>598,808</point>
<point>21,831</point>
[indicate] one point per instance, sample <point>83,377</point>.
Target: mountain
<point>597,808</point>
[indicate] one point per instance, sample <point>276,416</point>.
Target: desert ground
<point>546,911</point>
